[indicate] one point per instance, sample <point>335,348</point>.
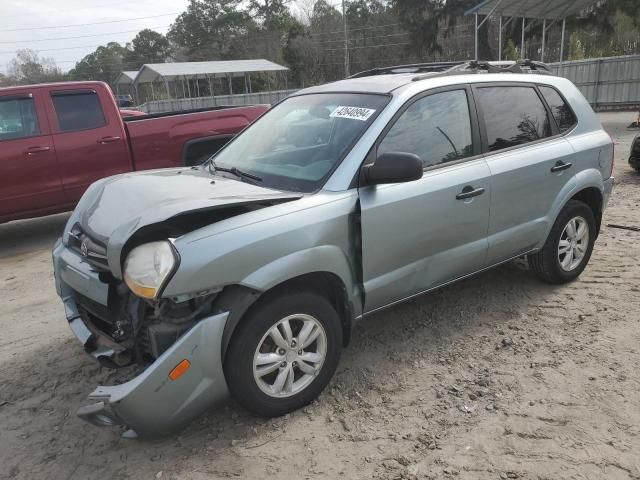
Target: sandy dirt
<point>499,376</point>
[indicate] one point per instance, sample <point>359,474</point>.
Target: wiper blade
<point>234,171</point>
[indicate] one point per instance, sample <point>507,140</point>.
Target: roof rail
<point>476,66</point>
<point>435,67</point>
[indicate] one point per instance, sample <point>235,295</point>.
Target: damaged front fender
<point>152,403</point>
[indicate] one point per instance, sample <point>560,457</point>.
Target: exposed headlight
<point>147,268</point>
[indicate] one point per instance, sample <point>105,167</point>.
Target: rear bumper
<point>151,403</point>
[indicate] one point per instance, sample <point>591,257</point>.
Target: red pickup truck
<point>56,139</point>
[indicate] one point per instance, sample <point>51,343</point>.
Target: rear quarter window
<point>562,113</point>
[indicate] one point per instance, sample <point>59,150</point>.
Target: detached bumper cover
<point>151,403</point>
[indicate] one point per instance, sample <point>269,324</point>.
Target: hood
<point>114,208</point>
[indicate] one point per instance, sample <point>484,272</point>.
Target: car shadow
<point>44,388</point>
<point>25,236</point>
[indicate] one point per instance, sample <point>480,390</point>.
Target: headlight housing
<point>148,267</point>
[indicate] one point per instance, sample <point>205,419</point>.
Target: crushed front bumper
<point>151,403</point>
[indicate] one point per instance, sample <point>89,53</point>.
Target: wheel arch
<point>240,300</point>
<point>195,148</point>
<point>592,196</point>
<point>586,186</point>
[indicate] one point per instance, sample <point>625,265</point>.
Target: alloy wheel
<point>573,245</point>
<point>290,355</point>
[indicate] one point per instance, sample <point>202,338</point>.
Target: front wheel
<point>284,353</point>
<point>568,247</point>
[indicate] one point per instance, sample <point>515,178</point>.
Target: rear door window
<point>561,111</point>
<point>437,128</point>
<point>513,116</point>
<point>78,110</point>
<point>18,118</point>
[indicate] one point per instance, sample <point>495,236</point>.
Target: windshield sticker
<point>354,113</point>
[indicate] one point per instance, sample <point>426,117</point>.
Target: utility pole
<point>346,41</point>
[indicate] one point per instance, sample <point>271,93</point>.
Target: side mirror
<point>393,167</point>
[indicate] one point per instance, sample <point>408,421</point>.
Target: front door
<point>30,181</point>
<point>419,235</point>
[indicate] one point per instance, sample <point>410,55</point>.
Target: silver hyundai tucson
<point>245,275</point>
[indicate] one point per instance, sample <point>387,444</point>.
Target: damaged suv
<point>245,275</point>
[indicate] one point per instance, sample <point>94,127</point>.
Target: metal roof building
<point>191,73</point>
<point>126,77</point>
<point>535,10</point>
<point>195,77</point>
<point>236,68</point>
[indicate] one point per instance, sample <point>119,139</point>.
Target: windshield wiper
<point>234,171</point>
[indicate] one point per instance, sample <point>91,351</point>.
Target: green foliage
<point>104,64</point>
<point>147,47</point>
<point>510,51</point>
<point>209,28</point>
<point>309,38</point>
<point>28,68</point>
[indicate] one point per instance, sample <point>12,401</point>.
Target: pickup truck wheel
<point>284,353</point>
<point>568,248</point>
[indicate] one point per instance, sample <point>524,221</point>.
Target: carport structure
<point>185,73</point>
<point>548,11</point>
<point>126,79</point>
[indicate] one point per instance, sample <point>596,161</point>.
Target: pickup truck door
<point>30,181</point>
<point>422,234</point>
<point>89,137</point>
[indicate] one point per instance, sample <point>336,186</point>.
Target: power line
<point>88,7</point>
<point>57,49</point>
<point>84,36</point>
<point>89,24</point>
<point>355,29</point>
<point>368,46</point>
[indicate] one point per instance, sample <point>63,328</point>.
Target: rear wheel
<point>568,248</point>
<point>284,353</point>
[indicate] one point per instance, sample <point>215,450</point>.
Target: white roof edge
<point>151,71</point>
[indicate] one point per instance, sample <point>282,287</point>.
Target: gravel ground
<point>499,376</point>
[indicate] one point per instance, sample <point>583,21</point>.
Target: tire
<point>260,394</point>
<point>547,264</point>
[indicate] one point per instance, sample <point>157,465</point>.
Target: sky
<point>46,25</point>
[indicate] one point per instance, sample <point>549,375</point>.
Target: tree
<point>274,14</point>
<point>105,64</point>
<point>421,18</point>
<point>147,47</point>
<point>510,51</point>
<point>28,68</point>
<point>208,29</point>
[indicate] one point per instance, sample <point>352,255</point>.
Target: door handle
<point>105,140</point>
<point>560,166</point>
<point>35,150</point>
<point>469,192</point>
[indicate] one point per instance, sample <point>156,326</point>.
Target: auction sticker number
<point>354,113</point>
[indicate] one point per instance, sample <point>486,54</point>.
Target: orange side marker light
<point>179,369</point>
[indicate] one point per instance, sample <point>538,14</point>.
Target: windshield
<point>296,145</point>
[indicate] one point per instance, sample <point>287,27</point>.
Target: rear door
<point>29,177</point>
<point>419,235</point>
<point>90,141</point>
<point>530,162</point>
